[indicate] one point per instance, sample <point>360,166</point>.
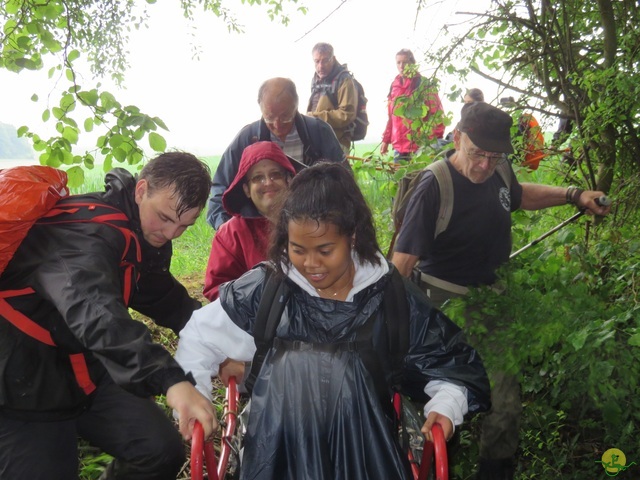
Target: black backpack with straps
<point>275,296</point>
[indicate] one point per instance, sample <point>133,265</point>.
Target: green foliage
<point>568,327</point>
<point>568,58</point>
<point>194,246</point>
<point>69,35</point>
<point>415,109</point>
<point>92,461</point>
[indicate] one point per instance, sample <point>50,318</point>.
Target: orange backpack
<point>26,194</point>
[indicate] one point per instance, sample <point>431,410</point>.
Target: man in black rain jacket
<point>72,360</point>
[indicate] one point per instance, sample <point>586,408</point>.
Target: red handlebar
<point>203,452</point>
<point>200,449</point>
<point>231,414</point>
<point>439,448</point>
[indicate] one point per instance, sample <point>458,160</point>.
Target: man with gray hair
<point>480,196</point>
<point>302,138</point>
<point>334,97</point>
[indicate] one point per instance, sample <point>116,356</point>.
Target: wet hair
<point>323,48</point>
<point>288,88</point>
<point>475,94</point>
<point>325,193</point>
<point>408,53</point>
<point>189,177</point>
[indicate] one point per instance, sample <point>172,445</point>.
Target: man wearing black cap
<point>480,197</point>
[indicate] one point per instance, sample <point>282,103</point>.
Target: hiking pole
<point>602,201</point>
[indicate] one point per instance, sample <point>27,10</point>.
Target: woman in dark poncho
<point>315,411</point>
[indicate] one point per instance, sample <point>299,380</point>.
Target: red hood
<point>234,199</point>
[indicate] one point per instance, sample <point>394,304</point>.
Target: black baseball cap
<point>488,127</point>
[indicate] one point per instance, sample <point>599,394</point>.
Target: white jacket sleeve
<point>208,339</point>
<point>447,399</point>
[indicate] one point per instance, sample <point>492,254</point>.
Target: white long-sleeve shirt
<point>210,337</point>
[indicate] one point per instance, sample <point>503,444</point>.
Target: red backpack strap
<point>37,332</point>
<point>81,372</point>
<point>20,320</point>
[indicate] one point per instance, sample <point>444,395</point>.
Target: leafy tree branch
<point>93,34</point>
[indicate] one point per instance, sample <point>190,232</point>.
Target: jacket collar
<point>366,274</point>
<point>120,187</point>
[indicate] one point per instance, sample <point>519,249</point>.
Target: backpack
<point>39,194</point>
<point>26,194</point>
<point>408,184</point>
<point>275,296</point>
<point>359,126</point>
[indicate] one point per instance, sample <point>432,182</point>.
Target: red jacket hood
<point>234,199</point>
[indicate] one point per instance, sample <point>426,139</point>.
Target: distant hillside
<point>12,147</point>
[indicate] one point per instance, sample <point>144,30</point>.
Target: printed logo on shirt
<point>505,198</point>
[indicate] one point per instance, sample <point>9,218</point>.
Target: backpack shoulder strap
<point>396,316</point>
<point>445,182</point>
<point>441,171</point>
<point>310,135</point>
<point>504,170</point>
<point>395,310</point>
<point>332,92</point>
<point>274,298</point>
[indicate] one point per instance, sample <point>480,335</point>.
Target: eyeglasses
<point>478,157</point>
<point>275,176</point>
<point>284,121</point>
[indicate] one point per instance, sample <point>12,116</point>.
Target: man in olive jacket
<point>72,360</point>
<point>334,97</point>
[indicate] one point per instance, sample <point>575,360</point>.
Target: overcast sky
<point>205,102</point>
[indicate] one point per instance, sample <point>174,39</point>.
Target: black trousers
<point>134,430</point>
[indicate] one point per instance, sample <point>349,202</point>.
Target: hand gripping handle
<point>437,449</point>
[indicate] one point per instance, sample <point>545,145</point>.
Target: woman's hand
<point>435,417</point>
<point>231,368</point>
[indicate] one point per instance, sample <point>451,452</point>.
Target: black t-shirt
<point>478,238</point>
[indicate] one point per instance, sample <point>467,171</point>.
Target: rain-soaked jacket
<point>314,411</point>
<point>74,270</point>
<point>241,243</point>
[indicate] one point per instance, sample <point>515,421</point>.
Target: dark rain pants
<point>134,430</point>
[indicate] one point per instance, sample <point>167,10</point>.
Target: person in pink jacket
<point>400,133</point>
<point>241,242</point>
